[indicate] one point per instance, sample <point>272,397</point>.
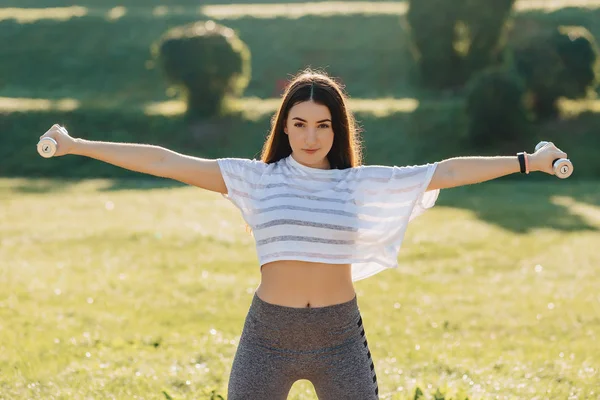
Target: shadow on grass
<point>42,186</point>
<point>39,186</point>
<point>521,207</point>
<point>142,184</point>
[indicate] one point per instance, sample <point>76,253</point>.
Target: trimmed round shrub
<point>495,107</point>
<point>579,53</point>
<point>487,28</point>
<point>432,24</point>
<point>451,40</point>
<point>561,62</point>
<point>208,63</point>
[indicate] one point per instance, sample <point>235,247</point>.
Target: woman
<point>321,221</point>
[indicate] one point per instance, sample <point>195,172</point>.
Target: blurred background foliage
<point>428,79</point>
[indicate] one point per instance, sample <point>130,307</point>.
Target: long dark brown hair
<point>317,86</point>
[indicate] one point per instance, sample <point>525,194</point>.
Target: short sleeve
<point>418,177</point>
<point>397,190</point>
<point>406,186</point>
<point>241,177</point>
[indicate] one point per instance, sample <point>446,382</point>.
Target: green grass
<point>111,59</point>
<point>118,289</point>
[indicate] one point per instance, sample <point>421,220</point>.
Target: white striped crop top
<point>354,216</point>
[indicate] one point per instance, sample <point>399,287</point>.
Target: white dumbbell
<point>563,168</point>
<point>47,147</point>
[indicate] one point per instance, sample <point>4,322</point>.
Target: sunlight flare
<point>15,104</point>
<point>29,15</point>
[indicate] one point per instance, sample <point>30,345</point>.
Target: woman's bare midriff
<point>305,284</point>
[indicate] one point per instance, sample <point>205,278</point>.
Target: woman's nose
<point>311,136</point>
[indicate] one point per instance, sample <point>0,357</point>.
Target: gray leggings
<point>325,345</point>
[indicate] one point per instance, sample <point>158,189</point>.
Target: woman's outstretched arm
<point>460,171</point>
<point>144,158</point>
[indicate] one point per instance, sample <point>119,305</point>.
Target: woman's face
<point>310,132</point>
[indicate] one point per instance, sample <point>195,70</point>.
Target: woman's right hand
<point>62,137</point>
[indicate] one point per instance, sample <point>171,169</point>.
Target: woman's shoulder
<point>373,171</point>
<point>387,173</point>
<point>241,162</point>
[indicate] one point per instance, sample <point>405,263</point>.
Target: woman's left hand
<point>542,159</point>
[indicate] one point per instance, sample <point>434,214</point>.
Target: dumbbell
<point>563,168</point>
<point>47,147</point>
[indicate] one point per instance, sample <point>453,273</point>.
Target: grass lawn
<point>134,289</point>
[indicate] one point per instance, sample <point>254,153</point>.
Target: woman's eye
<point>299,125</point>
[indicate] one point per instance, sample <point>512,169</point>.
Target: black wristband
<point>521,157</point>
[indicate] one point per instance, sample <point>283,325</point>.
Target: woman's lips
<point>310,151</point>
